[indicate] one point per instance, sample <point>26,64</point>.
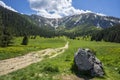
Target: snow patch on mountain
<point>106,19</point>
<point>98,25</point>
<point>112,20</point>
<point>78,20</point>
<point>39,20</point>
<point>50,22</point>
<point>95,16</point>
<point>68,19</point>
<point>111,24</point>
<point>100,14</point>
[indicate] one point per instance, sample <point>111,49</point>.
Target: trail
<point>13,64</point>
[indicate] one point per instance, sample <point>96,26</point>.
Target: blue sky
<point>21,6</point>
<point>108,7</point>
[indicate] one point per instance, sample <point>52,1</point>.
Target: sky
<point>61,8</point>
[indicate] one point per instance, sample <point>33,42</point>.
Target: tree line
<point>111,34</point>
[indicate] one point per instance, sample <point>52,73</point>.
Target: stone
<point>86,61</point>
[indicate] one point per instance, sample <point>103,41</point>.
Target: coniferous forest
<point>111,34</point>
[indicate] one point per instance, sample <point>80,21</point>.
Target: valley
<point>33,47</point>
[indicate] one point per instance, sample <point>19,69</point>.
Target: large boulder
<point>86,61</point>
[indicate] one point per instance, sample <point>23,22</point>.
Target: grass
<point>34,44</point>
<point>48,69</point>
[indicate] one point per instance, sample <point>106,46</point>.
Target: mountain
<point>42,21</point>
<point>89,19</point>
<point>71,26</point>
<point>77,25</point>
<point>84,18</point>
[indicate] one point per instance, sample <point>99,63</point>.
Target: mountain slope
<point>111,34</point>
<point>89,19</point>
<point>42,21</point>
<point>17,24</point>
<point>77,25</point>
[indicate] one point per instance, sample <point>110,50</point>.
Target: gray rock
<point>85,60</point>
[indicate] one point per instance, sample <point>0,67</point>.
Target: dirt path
<point>13,64</point>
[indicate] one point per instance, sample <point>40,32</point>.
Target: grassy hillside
<point>57,68</point>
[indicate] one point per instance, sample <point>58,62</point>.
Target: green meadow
<point>55,68</point>
<point>34,45</point>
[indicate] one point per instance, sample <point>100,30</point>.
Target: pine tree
<point>25,40</point>
<point>5,38</point>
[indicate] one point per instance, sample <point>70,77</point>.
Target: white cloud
<point>7,7</point>
<point>54,8</point>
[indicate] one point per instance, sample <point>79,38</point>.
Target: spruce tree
<point>5,38</point>
<point>25,40</point>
